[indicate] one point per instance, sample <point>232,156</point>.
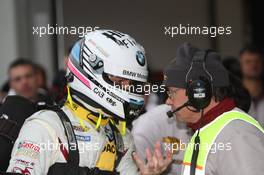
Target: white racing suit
<point>36,148</point>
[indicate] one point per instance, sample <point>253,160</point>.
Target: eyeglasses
<point>171,93</point>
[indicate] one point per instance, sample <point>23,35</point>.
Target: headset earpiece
<point>199,90</point>
<point>199,93</point>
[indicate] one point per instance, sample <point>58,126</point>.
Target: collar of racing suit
<point>85,114</point>
<point>225,105</point>
<point>95,118</point>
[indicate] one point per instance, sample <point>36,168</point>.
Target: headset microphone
<point>170,113</point>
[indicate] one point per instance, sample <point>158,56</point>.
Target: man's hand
<point>156,164</point>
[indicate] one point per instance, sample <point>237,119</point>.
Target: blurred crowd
<point>29,80</point>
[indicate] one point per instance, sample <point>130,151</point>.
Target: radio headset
<point>199,92</point>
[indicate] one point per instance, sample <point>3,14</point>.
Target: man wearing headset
<point>226,141</point>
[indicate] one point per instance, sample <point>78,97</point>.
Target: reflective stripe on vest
<point>208,134</point>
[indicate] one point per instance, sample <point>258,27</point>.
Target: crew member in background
<point>252,71</point>
<point>23,82</point>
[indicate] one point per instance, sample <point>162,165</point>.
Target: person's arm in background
<point>143,136</point>
<point>155,126</point>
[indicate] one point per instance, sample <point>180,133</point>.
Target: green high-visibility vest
<point>208,134</point>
